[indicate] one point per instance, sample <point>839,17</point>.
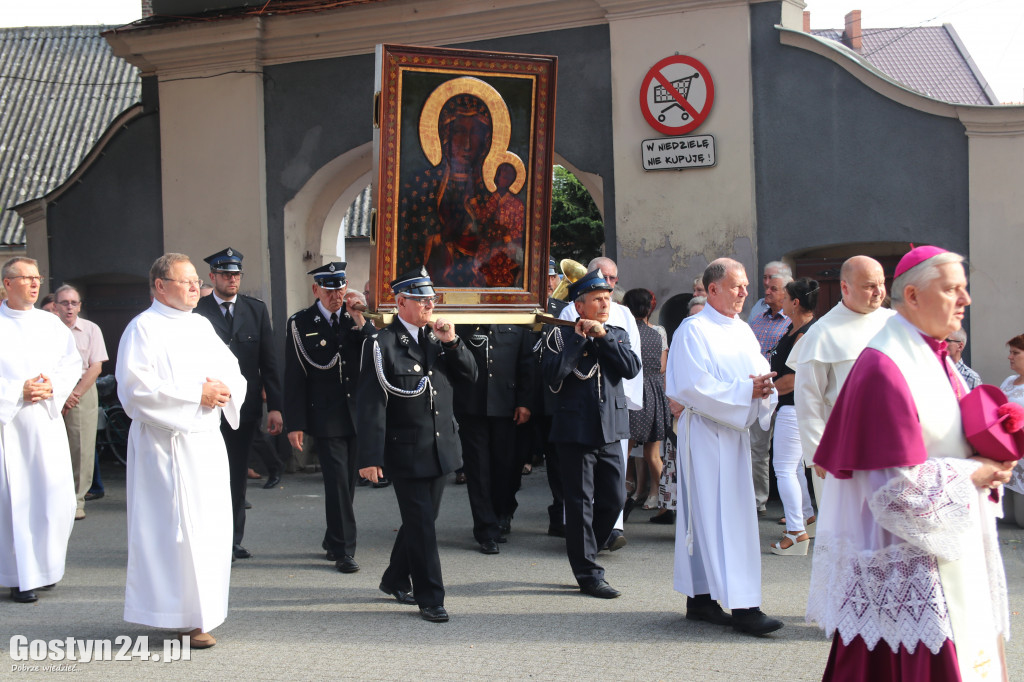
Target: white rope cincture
<point>595,370</point>
<point>423,385</point>
<point>687,412</point>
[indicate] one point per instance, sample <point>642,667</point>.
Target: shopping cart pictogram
<point>662,95</point>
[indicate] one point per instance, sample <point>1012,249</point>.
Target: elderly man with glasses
<point>907,577</point>
<point>955,345</point>
<point>407,426</point>
<point>38,369</point>
<point>81,409</point>
<point>176,379</point>
<point>321,369</point>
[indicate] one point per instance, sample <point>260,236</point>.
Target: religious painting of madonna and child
<point>463,181</point>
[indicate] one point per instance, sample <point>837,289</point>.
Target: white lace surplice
<point>883,580</point>
<point>907,554</point>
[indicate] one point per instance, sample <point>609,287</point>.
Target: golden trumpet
<point>572,271</point>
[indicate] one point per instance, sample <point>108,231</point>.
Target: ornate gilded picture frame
<point>463,148</point>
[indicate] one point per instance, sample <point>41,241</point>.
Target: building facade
<point>255,130</point>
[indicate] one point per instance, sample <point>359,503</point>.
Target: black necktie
<point>422,337</point>
<point>334,322</point>
<point>227,312</point>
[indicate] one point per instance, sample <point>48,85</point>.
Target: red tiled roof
<point>929,59</point>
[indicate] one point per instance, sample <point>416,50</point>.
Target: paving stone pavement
<point>516,615</point>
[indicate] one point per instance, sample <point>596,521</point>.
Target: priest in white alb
<point>717,373</point>
<point>175,377</point>
<point>38,370</point>
<point>823,357</point>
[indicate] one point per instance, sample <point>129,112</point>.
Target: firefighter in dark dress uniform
<point>320,373</point>
<point>407,426</point>
<point>585,365</point>
<point>488,411</point>
<point>243,323</point>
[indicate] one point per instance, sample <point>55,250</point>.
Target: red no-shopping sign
<point>676,95</point>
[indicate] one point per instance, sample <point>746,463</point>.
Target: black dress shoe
<point>616,541</point>
<point>434,614</point>
<point>248,504</point>
<point>628,508</point>
<point>706,610</point>
<point>600,589</point>
<point>331,556</point>
<point>241,552</point>
<point>556,530</point>
<point>505,524</point>
<point>666,517</point>
<point>346,564</point>
<point>382,483</point>
<point>460,479</point>
<point>754,622</point>
<point>89,497</point>
<point>501,539</point>
<point>402,596</point>
<point>489,547</point>
<point>27,596</point>
<point>272,482</point>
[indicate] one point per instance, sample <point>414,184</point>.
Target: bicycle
<point>113,424</point>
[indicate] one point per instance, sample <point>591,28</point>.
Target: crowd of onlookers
<point>780,318</point>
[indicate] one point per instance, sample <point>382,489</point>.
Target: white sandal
<point>798,548</point>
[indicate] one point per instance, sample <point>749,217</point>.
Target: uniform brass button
<point>429,372</point>
<point>437,433</point>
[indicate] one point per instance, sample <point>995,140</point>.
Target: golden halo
<point>501,128</point>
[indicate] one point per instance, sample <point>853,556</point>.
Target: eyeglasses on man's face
<point>423,300</point>
<point>69,304</point>
<point>34,279</point>
<point>189,283</point>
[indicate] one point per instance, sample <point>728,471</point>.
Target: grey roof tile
<point>60,88</point>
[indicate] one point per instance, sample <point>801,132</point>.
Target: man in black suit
<point>321,370</point>
<point>585,365</point>
<point>488,411</point>
<point>243,323</point>
<point>407,426</point>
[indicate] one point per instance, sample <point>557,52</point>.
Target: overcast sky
<point>992,30</point>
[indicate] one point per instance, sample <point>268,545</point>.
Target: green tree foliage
<point>577,231</point>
